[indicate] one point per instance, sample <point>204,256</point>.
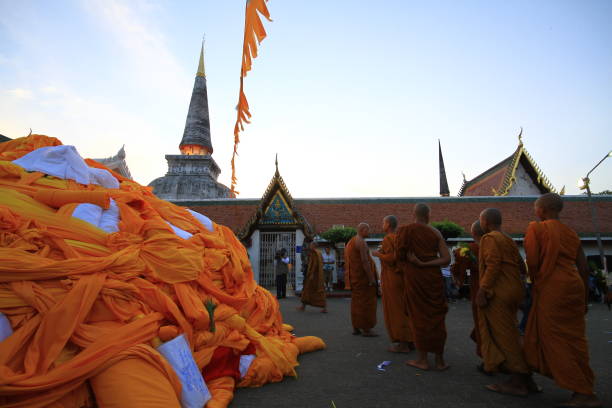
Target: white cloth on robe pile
<point>65,162</point>
<point>203,219</point>
<point>107,220</point>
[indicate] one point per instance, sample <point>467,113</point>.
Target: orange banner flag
<point>254,33</point>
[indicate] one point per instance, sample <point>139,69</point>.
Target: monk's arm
<point>583,268</point>
<point>365,261</point>
<point>444,258</point>
<point>532,251</point>
<point>387,252</point>
<point>492,262</point>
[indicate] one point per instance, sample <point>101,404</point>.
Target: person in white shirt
<point>282,269</point>
<point>329,260</point>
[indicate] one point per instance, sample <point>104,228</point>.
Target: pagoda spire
<point>444,192</point>
<point>196,137</point>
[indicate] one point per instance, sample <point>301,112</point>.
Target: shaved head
<point>477,229</point>
<point>550,202</point>
<point>421,211</point>
<point>490,220</point>
<point>391,220</point>
<point>363,229</point>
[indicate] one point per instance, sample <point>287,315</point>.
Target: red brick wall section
<point>233,216</point>
<point>322,215</point>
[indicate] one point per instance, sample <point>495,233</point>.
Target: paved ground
<point>346,371</point>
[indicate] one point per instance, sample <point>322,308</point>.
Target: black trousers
<point>281,286</point>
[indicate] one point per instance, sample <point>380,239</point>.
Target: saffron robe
<point>555,340</point>
<point>393,296</point>
<point>313,293</point>
<point>363,296</point>
<point>423,287</point>
<point>458,269</point>
<point>500,278</point>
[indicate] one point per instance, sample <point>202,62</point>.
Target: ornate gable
<point>508,177</point>
<point>276,210</point>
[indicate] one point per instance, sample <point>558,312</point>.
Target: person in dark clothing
<point>282,269</point>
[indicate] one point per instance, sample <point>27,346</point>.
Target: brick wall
<point>322,214</point>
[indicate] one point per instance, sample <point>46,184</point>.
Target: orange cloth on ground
<point>500,278</point>
<point>397,320</point>
<point>555,339</point>
<point>83,303</point>
<point>458,269</point>
<point>313,293</point>
<point>424,287</point>
<point>363,296</point>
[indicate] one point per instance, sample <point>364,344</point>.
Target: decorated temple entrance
<point>269,245</point>
<point>276,224</point>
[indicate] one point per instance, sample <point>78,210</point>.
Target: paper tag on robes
<point>194,393</point>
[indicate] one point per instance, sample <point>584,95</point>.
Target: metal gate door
<point>270,243</point>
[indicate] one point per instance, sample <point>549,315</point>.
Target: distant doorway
<point>270,244</point>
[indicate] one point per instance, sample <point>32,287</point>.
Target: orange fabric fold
<point>58,198</point>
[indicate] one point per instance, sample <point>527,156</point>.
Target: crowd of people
<point>414,297</point>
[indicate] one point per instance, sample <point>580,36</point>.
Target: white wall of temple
<point>524,185</point>
<point>253,251</point>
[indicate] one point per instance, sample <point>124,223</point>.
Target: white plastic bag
<point>194,393</point>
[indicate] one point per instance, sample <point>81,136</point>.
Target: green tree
<point>339,234</point>
<point>448,229</point>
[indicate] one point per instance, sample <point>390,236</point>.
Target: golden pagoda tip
<point>201,71</point>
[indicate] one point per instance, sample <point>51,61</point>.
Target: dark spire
<point>196,137</point>
<point>443,183</point>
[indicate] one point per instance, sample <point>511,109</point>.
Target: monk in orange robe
<point>421,251</point>
<point>499,296</point>
<point>394,305</point>
<point>313,293</point>
<point>555,340</point>
<point>362,275</point>
<point>458,270</point>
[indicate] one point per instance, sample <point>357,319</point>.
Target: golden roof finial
<point>276,162</point>
<point>201,71</point>
<point>520,137</point>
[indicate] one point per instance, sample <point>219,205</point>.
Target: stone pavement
<point>346,371</point>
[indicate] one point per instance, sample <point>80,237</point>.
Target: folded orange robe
<point>313,293</point>
<point>458,270</point>
<point>363,296</point>
<point>424,287</point>
<point>58,198</point>
<point>555,339</point>
<point>397,321</point>
<point>500,278</point>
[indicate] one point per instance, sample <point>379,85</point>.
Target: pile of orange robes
<point>88,308</point>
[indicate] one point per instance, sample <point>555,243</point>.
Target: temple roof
<point>277,208</point>
<point>4,138</point>
<point>499,179</point>
<point>117,163</point>
<point>197,124</point>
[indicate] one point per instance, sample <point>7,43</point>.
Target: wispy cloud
<point>20,93</point>
<point>145,46</point>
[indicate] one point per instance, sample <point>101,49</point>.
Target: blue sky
<point>352,95</point>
